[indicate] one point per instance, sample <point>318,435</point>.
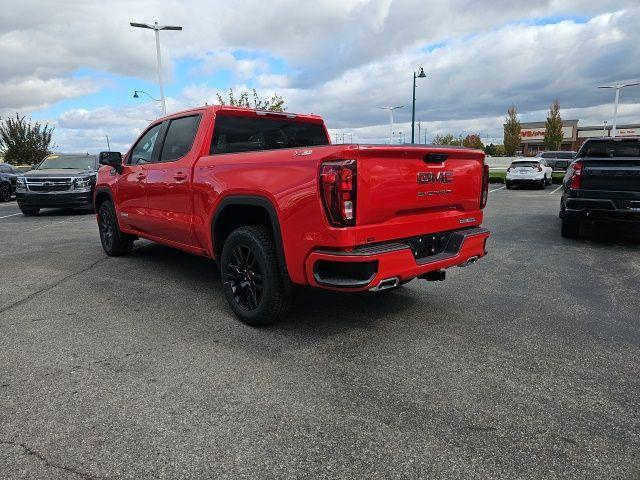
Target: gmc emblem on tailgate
<point>435,177</point>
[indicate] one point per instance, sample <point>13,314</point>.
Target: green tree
<point>274,104</point>
<point>446,139</point>
<point>500,151</point>
<point>490,149</point>
<point>553,127</point>
<point>473,141</point>
<point>24,142</point>
<point>512,129</point>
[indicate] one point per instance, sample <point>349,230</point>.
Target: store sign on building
<point>538,133</point>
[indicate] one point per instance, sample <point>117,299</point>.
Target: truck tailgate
<point>615,174</point>
<point>408,191</point>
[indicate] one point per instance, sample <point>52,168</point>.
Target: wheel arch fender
<point>100,195</point>
<point>242,201</point>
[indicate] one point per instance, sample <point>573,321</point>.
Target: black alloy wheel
<point>252,282</point>
<point>106,228</point>
<point>114,242</point>
<point>245,278</point>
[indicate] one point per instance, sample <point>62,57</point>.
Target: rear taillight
<point>539,168</point>
<point>338,191</point>
<point>485,186</point>
<point>509,169</point>
<point>576,174</point>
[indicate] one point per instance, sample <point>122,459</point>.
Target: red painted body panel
<point>177,201</point>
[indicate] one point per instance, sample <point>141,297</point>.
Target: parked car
<point>558,160</point>
<point>8,175</point>
<point>275,204</point>
<point>59,181</point>
<point>529,171</point>
<point>602,183</point>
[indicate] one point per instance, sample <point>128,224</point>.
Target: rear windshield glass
<point>80,162</point>
<point>566,155</point>
<point>596,149</point>
<point>233,134</point>
<point>524,164</point>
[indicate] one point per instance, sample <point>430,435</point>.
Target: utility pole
<point>418,132</point>
<point>156,28</point>
<point>391,109</point>
<point>617,87</point>
<point>108,147</point>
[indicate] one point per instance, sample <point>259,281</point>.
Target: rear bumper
<point>527,180</point>
<point>605,208</point>
<point>55,200</point>
<point>365,268</point>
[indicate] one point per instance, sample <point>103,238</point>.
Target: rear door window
<point>179,138</point>
<point>232,134</point>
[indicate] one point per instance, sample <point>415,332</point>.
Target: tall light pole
<point>156,28</point>
<point>420,74</point>
<point>618,87</point>
<point>391,109</point>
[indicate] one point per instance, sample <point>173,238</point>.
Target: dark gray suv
<point>59,181</point>
<point>558,160</point>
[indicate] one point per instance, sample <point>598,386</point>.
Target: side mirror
<point>111,159</point>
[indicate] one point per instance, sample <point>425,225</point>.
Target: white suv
<point>530,171</point>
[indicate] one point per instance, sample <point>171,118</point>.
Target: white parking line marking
<point>557,189</point>
<point>496,189</point>
<point>12,215</point>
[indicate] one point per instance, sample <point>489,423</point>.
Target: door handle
<point>141,176</point>
<point>180,176</point>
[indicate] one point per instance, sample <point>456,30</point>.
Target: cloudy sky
<point>75,64</point>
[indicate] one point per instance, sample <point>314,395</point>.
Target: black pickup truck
<point>603,182</point>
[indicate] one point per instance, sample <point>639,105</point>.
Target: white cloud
<point>344,59</point>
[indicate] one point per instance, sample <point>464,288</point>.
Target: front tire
<point>5,192</point>
<point>251,277</point>
<point>570,227</point>
<point>30,212</point>
<point>114,241</point>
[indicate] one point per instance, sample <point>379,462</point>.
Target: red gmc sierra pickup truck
<point>269,198</point>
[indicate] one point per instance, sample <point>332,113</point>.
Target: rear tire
<point>114,241</point>
<point>251,278</point>
<point>509,185</point>
<point>5,192</point>
<point>30,212</point>
<point>543,183</point>
<point>570,227</point>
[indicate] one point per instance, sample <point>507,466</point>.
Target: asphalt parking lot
<point>524,365</point>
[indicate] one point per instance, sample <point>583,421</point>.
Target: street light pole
<point>420,74</point>
<point>391,109</point>
<point>617,87</point>
<point>156,28</point>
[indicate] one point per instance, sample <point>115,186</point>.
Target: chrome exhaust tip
<point>386,284</point>
<point>469,261</point>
